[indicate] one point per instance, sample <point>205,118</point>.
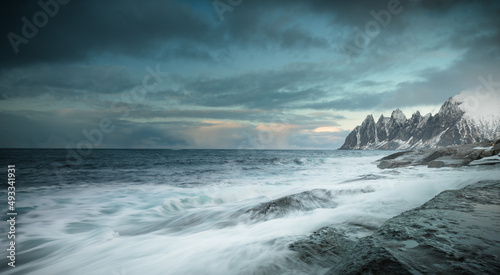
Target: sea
<point>199,211</point>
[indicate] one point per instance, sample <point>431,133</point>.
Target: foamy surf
<point>208,213</point>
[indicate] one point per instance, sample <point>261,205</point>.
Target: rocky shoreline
<point>456,232</point>
<point>453,156</point>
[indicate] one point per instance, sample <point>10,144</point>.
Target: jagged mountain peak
<point>451,107</point>
<point>397,112</point>
<point>398,116</point>
<point>452,125</point>
<point>416,117</point>
<point>382,119</point>
<point>369,117</point>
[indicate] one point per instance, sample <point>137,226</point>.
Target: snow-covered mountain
<point>454,124</point>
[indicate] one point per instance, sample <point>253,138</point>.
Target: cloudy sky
<point>231,73</point>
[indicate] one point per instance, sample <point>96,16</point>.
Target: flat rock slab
<point>324,247</point>
<point>457,232</point>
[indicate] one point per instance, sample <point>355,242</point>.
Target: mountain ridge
<point>452,125</point>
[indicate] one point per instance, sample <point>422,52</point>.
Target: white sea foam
<point>130,228</point>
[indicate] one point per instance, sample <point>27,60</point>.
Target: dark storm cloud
<point>253,116</point>
<point>245,27</point>
<point>187,51</point>
<point>344,12</point>
<point>445,5</point>
<point>65,128</point>
<point>145,135</point>
<point>351,102</point>
<point>81,29</point>
<point>480,60</point>
<point>61,129</point>
<point>257,98</point>
<point>84,28</point>
<point>65,81</point>
<point>474,32</point>
<point>23,128</point>
<point>261,90</point>
<point>248,115</point>
<point>249,27</point>
<point>222,85</point>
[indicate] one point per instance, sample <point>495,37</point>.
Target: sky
<point>232,74</point>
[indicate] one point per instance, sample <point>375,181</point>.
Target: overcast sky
<point>231,73</point>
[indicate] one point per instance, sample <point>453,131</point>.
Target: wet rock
<point>456,232</point>
<point>369,258</point>
<point>324,247</point>
<point>386,164</point>
<point>365,178</point>
<point>396,155</point>
<point>496,144</point>
<point>486,153</point>
<point>432,155</point>
<point>304,201</point>
<point>453,156</point>
<point>436,164</point>
<point>493,160</point>
<point>473,155</point>
<point>496,147</point>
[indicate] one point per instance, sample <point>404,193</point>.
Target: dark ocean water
<point>44,167</point>
<point>193,211</point>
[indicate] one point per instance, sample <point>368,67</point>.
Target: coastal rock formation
<point>456,232</point>
<point>452,156</point>
<point>325,247</point>
<point>304,201</point>
<point>452,125</point>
